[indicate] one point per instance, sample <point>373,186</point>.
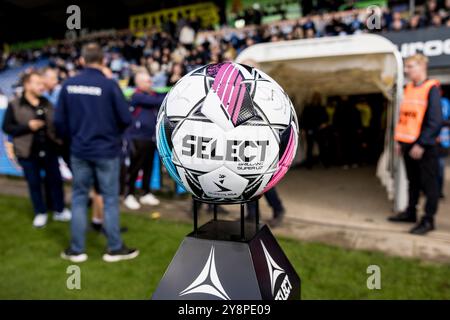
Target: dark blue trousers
<point>40,170</point>
<point>274,202</point>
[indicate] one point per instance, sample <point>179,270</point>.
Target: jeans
<point>32,168</point>
<point>107,173</point>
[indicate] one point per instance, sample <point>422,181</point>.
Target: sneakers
<point>123,253</point>
<point>278,219</point>
<point>64,216</point>
<point>403,217</point>
<point>73,256</point>
<point>97,227</point>
<point>423,227</point>
<point>149,199</point>
<point>131,203</point>
<point>40,220</point>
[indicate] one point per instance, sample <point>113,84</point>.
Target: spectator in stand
<point>168,25</point>
<point>298,33</point>
<point>152,64</point>
<point>356,25</point>
<point>195,23</point>
<point>446,10</point>
<point>176,74</point>
<point>141,135</point>
<point>309,25</point>
<point>253,15</point>
<point>431,9</point>
<point>179,53</point>
<point>187,36</point>
<point>336,27</point>
<point>436,20</point>
<point>181,22</point>
<point>398,23</point>
<point>124,49</point>
<point>416,22</point>
<point>229,53</point>
<point>29,121</point>
<point>117,64</point>
<point>386,18</point>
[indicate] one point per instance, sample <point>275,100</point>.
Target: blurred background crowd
<point>174,48</point>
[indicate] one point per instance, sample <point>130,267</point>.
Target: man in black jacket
<point>29,121</point>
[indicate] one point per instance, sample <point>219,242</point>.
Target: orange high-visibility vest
<point>412,111</point>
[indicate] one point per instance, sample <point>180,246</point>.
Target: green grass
<point>30,267</point>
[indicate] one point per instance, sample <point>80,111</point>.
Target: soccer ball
<point>227,132</point>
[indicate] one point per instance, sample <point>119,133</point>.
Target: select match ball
<point>227,132</point>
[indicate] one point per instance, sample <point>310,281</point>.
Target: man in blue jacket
<point>141,134</point>
<point>92,114</point>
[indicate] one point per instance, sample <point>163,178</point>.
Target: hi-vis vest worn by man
<point>412,111</point>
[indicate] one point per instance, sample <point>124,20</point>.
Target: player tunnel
<point>365,71</point>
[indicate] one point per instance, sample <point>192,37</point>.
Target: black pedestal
<point>219,261</point>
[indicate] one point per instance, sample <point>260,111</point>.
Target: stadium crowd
<point>154,58</point>
<point>178,47</point>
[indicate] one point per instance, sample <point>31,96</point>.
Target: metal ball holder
<point>229,260</point>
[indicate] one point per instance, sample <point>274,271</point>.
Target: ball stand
<point>229,260</point>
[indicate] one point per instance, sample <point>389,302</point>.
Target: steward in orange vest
<point>418,127</point>
<point>412,111</point>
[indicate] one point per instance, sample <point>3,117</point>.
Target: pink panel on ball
<point>284,163</point>
<point>228,87</point>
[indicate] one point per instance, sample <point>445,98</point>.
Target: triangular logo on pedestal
<point>207,281</point>
<point>274,269</point>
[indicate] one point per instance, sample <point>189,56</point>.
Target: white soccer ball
<point>227,132</point>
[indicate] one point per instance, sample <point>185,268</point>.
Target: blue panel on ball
<point>166,155</point>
